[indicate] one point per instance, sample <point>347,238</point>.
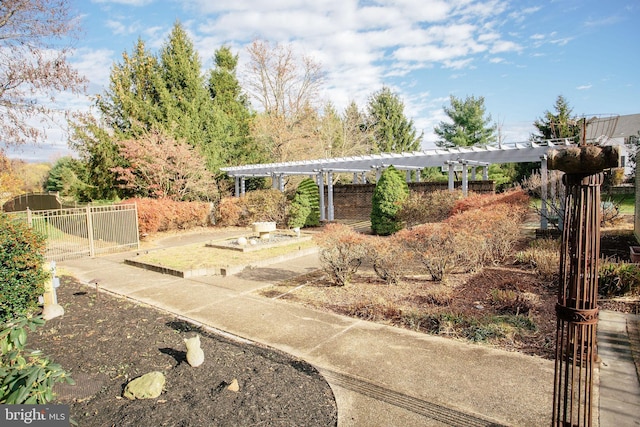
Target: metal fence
<point>85,232</point>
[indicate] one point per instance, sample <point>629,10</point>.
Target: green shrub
<point>390,192</point>
<point>22,275</point>
<point>26,376</point>
<point>299,211</point>
<point>309,188</point>
<point>618,278</point>
<point>342,251</point>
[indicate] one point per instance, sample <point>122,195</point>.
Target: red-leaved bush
<point>516,198</point>
<point>165,214</point>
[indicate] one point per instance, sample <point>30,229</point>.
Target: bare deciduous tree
<point>287,89</point>
<point>34,47</point>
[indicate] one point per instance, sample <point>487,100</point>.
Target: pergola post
<point>242,186</point>
<point>330,195</point>
<point>485,173</point>
<point>321,190</point>
<point>237,186</point>
<point>281,182</point>
<point>473,173</point>
<point>465,179</point>
<point>577,306</point>
<point>451,177</point>
<point>355,177</point>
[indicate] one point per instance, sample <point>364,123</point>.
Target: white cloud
<point>584,87</point>
<point>125,2</point>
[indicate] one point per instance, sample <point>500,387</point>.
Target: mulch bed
<point>105,341</point>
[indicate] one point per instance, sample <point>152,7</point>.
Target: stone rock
<point>195,355</point>
<point>148,386</point>
<point>51,311</point>
<point>234,386</point>
<point>242,241</point>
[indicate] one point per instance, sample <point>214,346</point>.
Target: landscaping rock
<point>195,355</point>
<point>234,386</point>
<point>148,386</point>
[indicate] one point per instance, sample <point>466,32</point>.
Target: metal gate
<point>85,232</point>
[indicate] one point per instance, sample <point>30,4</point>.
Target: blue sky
<point>518,54</point>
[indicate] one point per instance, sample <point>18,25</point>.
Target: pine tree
<point>559,125</point>
<point>231,104</point>
<point>391,130</point>
<point>468,126</point>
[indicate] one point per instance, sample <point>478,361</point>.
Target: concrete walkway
<point>380,375</point>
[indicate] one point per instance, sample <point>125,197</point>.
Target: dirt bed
<point>104,342</point>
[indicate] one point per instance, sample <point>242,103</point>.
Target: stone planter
<point>264,228</point>
<point>635,253</point>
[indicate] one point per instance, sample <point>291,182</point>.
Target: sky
<point>520,55</point>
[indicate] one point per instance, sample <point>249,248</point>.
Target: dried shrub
<point>228,212</point>
<point>342,251</point>
<point>423,208</point>
<point>374,310</point>
<point>516,198</point>
<point>498,225</point>
<point>165,214</point>
<point>263,205</point>
<point>509,301</point>
<point>543,255</point>
<point>440,295</point>
<point>389,258</point>
<point>434,246</point>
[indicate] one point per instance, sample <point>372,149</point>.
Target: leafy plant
<point>26,376</point>
<point>299,210</point>
<point>309,188</point>
<point>22,275</point>
<point>390,192</point>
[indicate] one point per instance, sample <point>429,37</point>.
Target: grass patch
<point>195,256</point>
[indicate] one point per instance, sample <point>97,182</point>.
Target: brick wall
<point>353,201</point>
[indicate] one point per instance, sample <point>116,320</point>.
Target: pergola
<point>464,159</point>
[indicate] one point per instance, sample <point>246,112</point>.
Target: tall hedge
<point>390,192</point>
<point>309,188</point>
<point>22,275</point>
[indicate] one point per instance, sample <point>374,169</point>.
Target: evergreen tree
<point>468,126</point>
<point>131,106</point>
<point>67,178</point>
<point>391,130</point>
<point>559,125</point>
<point>237,145</point>
<point>184,99</point>
<point>390,192</point>
<point>309,189</point>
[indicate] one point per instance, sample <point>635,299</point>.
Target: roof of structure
<point>507,153</point>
